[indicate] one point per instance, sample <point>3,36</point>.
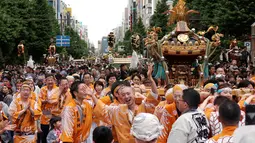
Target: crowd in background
<point>88,102</point>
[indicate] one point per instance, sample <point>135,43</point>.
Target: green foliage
<point>159,19</point>
<point>175,2</point>
<point>43,27</point>
<point>127,42</point>
<point>139,28</point>
<point>234,17</point>
<point>12,27</point>
<point>34,23</point>
<point>78,47</point>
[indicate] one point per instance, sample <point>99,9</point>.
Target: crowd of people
<point>93,103</point>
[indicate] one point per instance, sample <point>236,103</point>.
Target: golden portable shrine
<point>177,51</point>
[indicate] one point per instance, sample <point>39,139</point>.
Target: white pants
<point>90,138</point>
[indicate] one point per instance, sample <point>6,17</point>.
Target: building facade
<point>104,45</point>
<point>118,34</point>
<point>125,20</point>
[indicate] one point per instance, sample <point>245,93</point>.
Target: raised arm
<point>153,84</point>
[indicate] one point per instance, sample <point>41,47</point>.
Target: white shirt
<point>190,127</point>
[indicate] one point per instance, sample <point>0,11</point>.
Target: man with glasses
<point>24,113</point>
<point>192,125</point>
<point>170,113</point>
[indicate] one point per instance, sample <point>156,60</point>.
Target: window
<point>149,10</point>
<point>51,3</point>
<point>149,1</point>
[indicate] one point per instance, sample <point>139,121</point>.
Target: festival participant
<point>55,132</point>
<point>215,125</point>
<point>111,78</point>
<point>207,91</point>
<point>229,116</point>
<point>102,134</point>
<point>98,86</point>
<point>212,72</point>
<point>87,80</point>
<point>121,116</point>
<point>123,71</point>
<point>112,100</point>
<point>103,81</point>
<point>223,90</point>
<point>33,96</point>
<point>70,80</point>
<point>64,97</point>
<point>220,73</point>
<point>170,113</point>
<point>169,100</point>
<point>192,125</point>
<point>77,115</point>
<point>49,97</point>
<point>146,128</point>
<point>140,89</point>
<point>6,94</point>
<point>24,113</point>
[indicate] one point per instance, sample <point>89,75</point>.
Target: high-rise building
<point>118,34</point>
<point>168,2</point>
<point>139,8</point>
<point>125,20</point>
<point>56,5</point>
<point>149,6</point>
<point>104,45</point>
<point>99,47</point>
<point>147,12</point>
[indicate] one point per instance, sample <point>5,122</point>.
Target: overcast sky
<point>101,16</point>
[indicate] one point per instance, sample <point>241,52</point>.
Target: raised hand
<point>150,69</point>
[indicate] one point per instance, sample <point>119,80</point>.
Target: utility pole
<point>253,42</point>
<point>61,24</point>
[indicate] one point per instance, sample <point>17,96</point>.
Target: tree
<point>13,24</point>
<point>159,19</point>
<point>139,28</point>
<point>234,17</point>
<point>43,27</point>
<point>175,2</point>
<point>32,22</point>
<point>127,42</point>
<point>78,47</point>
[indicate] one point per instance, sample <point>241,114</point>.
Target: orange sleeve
<point>67,125</point>
<point>87,121</point>
<point>43,93</point>
<point>241,104</point>
<point>104,112</point>
<point>208,112</point>
<point>167,120</point>
<point>149,105</point>
<point>37,110</point>
<point>106,100</point>
<point>158,112</point>
<point>13,110</point>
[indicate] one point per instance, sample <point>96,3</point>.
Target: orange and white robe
<point>226,136</point>
<point>216,126</point>
<point>76,122</point>
<point>63,100</point>
<point>33,97</point>
<point>167,119</point>
<point>121,118</point>
<point>26,123</point>
<point>52,97</point>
